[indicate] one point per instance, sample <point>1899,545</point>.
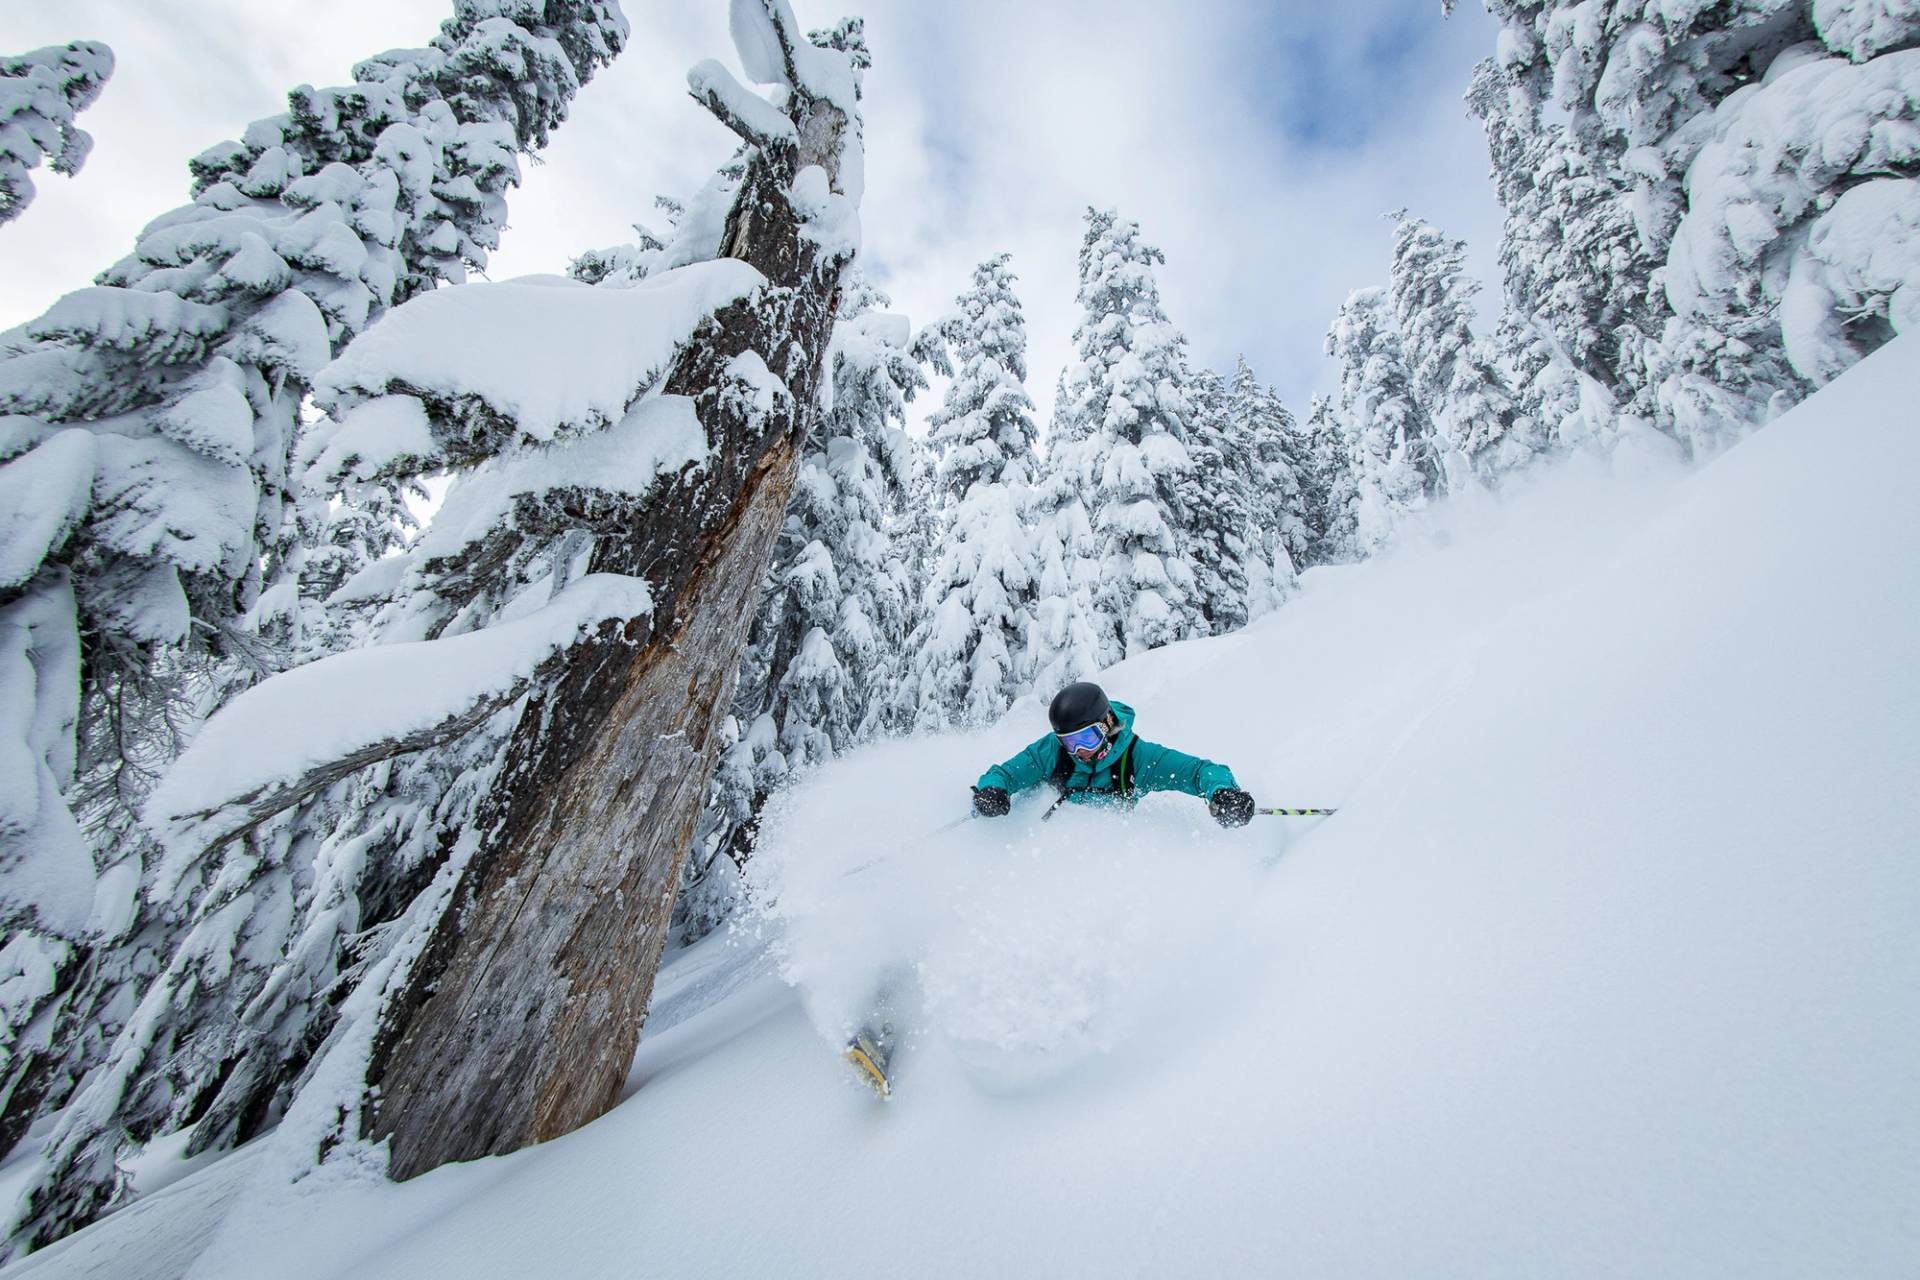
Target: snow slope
<point>1607,967</point>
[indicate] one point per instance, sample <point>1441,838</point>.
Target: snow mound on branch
<point>42,496</point>
<point>755,36</point>
<point>1861,29</point>
<point>759,27</point>
<point>1862,255</point>
<point>661,437</point>
<point>389,433</point>
<point>330,710</point>
<point>163,326</point>
<point>44,860</point>
<point>709,79</point>
<point>155,497</point>
<point>827,217</point>
<point>551,355</point>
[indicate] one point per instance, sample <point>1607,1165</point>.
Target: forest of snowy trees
<point>696,541</point>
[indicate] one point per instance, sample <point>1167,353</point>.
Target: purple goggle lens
<point>1091,738</point>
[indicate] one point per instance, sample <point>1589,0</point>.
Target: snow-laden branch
<point>599,483</point>
<point>161,327</point>
<point>287,738</point>
<point>522,361</point>
<point>40,93</point>
<point>758,122</point>
<point>774,50</point>
<point>766,34</point>
<point>43,496</point>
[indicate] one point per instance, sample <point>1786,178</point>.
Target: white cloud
<point>991,126</point>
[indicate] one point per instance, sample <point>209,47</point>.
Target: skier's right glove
<point>991,802</point>
<point>1231,807</point>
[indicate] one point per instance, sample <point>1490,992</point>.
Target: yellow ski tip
<point>870,1070</point>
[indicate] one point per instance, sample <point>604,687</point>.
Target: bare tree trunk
<point>520,1021</point>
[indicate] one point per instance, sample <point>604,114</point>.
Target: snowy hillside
<point>1607,966</point>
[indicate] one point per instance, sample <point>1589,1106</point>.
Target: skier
<point>1093,756</point>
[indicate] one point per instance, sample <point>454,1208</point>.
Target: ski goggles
<point>1091,738</point>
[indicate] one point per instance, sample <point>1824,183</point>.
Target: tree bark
<point>520,1020</point>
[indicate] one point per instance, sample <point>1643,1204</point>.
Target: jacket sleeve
<point>1031,767</point>
<point>1158,768</point>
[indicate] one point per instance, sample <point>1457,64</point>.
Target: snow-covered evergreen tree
<point>1454,373</point>
<point>1395,450</point>
<point>174,385</point>
<point>1119,444</point>
<point>1333,514</point>
<point>1285,489</point>
<point>1065,645</point>
<point>1217,536</point>
<point>1801,218</point>
<point>972,650</point>
<point>1731,139</point>
<point>41,91</point>
<point>1581,306</point>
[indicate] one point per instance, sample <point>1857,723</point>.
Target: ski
<point>869,1052</point>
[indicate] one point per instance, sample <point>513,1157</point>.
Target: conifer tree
<point>835,616</point>
<point>1332,515</point>
<point>1285,488</point>
<point>1122,443</point>
<point>40,93</point>
<point>1711,131</point>
<point>1067,645</point>
<point>365,523</point>
<point>1217,536</point>
<point>972,650</point>
<point>1391,441</point>
<point>1580,304</point>
<point>1783,270</point>
<point>1454,375</point>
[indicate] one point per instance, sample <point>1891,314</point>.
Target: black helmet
<point>1077,706</point>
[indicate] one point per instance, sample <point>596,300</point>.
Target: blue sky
<point>1319,93</point>
<point>1257,144</point>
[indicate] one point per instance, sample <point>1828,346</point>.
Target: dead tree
<point>520,1019</point>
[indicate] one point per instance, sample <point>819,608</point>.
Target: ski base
<point>869,1058</point>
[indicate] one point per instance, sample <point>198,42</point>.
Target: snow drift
<point>1606,967</point>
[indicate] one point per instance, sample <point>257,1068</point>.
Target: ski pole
<point>1298,813</point>
<point>874,862</point>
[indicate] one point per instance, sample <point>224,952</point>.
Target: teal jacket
<point>1155,768</point>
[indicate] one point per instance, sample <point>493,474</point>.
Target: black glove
<point>991,802</point>
<point>1231,807</point>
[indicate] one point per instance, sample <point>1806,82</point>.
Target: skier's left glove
<point>1231,807</point>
